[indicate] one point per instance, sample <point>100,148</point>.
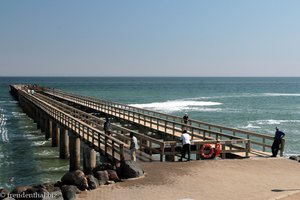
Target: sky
<point>149,38</point>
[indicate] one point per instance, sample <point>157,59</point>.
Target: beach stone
<point>3,193</point>
<point>69,192</point>
<point>296,158</point>
<point>93,182</point>
<point>130,169</point>
<point>113,176</point>
<point>110,182</point>
<point>19,190</point>
<point>102,167</point>
<point>76,178</point>
<point>102,176</point>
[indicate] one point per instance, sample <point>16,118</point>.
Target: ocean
<point>256,104</point>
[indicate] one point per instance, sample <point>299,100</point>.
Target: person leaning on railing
<point>277,141</point>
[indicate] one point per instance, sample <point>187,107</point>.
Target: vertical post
<point>55,138</point>
<point>282,146</point>
<point>248,148</point>
<point>64,144</point>
<point>223,151</point>
<point>74,149</point>
<point>38,119</point>
<point>162,152</point>
<point>89,159</point>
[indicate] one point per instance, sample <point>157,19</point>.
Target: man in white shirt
<point>133,146</point>
<point>186,142</point>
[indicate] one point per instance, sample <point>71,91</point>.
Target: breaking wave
<point>179,105</point>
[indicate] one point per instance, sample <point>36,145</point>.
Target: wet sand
<point>246,179</point>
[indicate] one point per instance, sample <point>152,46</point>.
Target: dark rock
<point>110,182</point>
<point>296,158</point>
<point>102,176</point>
<point>113,176</point>
<point>93,182</point>
<point>69,192</point>
<point>76,178</point>
<point>102,167</point>
<point>3,193</point>
<point>20,189</point>
<point>130,169</point>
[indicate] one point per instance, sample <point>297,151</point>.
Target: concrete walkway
<point>246,179</point>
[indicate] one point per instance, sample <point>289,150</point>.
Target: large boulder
<point>113,176</point>
<point>93,182</point>
<point>130,169</point>
<point>69,192</point>
<point>76,178</point>
<point>102,167</point>
<point>102,176</point>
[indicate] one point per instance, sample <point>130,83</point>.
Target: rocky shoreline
<point>75,182</point>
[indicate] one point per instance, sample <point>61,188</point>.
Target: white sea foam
<point>250,126</point>
<point>176,105</point>
<point>61,168</point>
<point>282,94</point>
<point>44,153</point>
<point>39,143</point>
<point>274,122</point>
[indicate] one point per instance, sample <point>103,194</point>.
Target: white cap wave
<point>176,105</point>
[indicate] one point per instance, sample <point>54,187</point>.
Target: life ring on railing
<point>218,149</point>
<point>204,149</point>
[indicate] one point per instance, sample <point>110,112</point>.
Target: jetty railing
<point>145,142</point>
<point>100,141</point>
<point>259,142</point>
<point>169,127</point>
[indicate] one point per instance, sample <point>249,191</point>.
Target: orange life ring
<point>218,149</point>
<point>211,151</point>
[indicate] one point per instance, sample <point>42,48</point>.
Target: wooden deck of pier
<point>69,119</point>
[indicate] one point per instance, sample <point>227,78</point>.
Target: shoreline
<point>251,179</point>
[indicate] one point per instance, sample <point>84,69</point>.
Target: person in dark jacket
<point>107,126</point>
<point>277,141</point>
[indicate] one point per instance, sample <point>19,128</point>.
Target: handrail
<point>257,139</point>
<point>176,126</point>
<point>95,122</point>
<point>84,130</point>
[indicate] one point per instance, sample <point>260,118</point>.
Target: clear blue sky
<point>150,38</point>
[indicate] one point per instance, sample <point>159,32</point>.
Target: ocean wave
<point>281,94</point>
<point>250,126</point>
<point>61,168</point>
<point>18,114</point>
<point>39,143</point>
<point>4,135</point>
<point>274,122</point>
<point>44,153</point>
<point>176,105</point>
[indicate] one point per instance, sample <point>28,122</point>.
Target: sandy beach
<point>247,179</point>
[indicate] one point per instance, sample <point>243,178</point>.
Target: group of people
<point>186,140</point>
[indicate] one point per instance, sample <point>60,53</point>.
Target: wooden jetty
<point>72,121</point>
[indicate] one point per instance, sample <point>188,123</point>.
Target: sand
<point>241,179</point>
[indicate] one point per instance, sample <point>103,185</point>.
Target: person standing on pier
<point>185,118</point>
<point>107,126</point>
<point>277,141</point>
<point>133,146</point>
<point>186,148</point>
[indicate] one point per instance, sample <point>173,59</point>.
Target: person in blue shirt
<point>277,141</point>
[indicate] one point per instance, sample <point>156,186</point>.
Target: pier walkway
<point>69,119</point>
